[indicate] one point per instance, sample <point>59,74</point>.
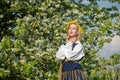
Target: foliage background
<point>31,32</point>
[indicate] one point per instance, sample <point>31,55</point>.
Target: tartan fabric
<point>75,74</point>
<point>71,71</point>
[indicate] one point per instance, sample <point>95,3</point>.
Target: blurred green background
<point>31,31</point>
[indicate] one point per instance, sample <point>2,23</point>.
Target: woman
<point>71,53</point>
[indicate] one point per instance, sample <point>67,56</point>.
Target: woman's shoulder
<point>79,43</point>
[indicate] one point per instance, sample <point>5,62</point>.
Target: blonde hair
<point>78,27</point>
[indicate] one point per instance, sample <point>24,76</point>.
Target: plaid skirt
<point>71,73</point>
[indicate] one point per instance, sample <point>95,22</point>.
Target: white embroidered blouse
<point>66,51</point>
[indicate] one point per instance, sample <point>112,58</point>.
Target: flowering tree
<point>32,31</point>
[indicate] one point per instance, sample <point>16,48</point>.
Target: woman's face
<point>72,30</point>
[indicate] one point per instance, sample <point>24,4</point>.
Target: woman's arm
<point>66,51</point>
<point>61,52</point>
<point>76,54</point>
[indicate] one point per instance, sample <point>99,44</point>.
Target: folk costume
<point>70,54</point>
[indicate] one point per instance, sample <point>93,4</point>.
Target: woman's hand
<point>71,39</point>
<point>67,39</point>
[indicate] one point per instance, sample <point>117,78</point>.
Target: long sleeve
<point>60,53</point>
<point>66,51</point>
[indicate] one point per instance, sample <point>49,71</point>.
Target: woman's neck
<point>73,39</point>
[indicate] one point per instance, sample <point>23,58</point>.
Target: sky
<point>114,46</point>
<point>108,4</point>
<point>103,3</point>
<point>110,48</point>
